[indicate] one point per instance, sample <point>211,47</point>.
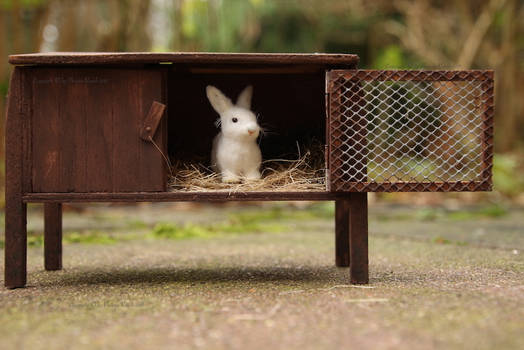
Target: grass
<point>490,211</point>
<point>442,240</point>
<point>75,237</point>
<point>438,213</point>
<point>191,230</point>
<point>276,218</point>
<point>92,237</point>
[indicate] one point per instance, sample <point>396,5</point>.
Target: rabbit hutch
<point>130,127</point>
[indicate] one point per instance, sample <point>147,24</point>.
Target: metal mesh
<point>410,130</point>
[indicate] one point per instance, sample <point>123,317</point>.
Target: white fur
<point>235,152</point>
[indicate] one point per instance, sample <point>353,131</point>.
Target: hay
<point>306,173</point>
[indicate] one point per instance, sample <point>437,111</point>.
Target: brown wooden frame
<point>15,207</point>
<point>19,190</point>
<point>351,226</point>
<point>193,58</point>
<point>18,145</point>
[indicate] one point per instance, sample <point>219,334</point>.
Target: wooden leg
<point>53,236</point>
<point>342,232</point>
<point>15,209</point>
<point>15,243</point>
<point>358,238</point>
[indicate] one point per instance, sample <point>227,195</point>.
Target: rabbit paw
<point>254,175</point>
<point>228,177</point>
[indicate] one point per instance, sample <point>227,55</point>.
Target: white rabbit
<point>235,152</point>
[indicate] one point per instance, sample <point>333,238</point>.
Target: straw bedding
<point>306,173</point>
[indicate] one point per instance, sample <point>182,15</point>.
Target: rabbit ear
<point>244,99</point>
<point>218,100</point>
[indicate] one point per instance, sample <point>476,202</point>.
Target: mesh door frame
<point>335,80</point>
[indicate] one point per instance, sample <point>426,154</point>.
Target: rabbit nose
<point>252,130</point>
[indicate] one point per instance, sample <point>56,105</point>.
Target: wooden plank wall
<point>85,130</point>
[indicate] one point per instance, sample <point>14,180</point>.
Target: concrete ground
<point>164,276</point>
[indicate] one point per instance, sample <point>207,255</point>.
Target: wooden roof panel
<point>82,58</point>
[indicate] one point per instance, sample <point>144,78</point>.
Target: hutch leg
<point>358,238</point>
<point>342,232</point>
<point>53,236</point>
<point>15,209</point>
<point>15,243</point>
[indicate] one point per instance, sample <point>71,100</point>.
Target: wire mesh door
<point>397,131</point>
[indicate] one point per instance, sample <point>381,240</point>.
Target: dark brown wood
<point>86,130</point>
<point>100,124</point>
<point>152,166</point>
<point>152,120</point>
<point>75,58</point>
<point>15,208</point>
<point>27,149</point>
<point>342,207</point>
<point>437,186</point>
<point>53,236</point>
<point>487,104</point>
<point>46,133</point>
<point>137,165</point>
<point>408,75</point>
<point>327,131</point>
<point>358,238</point>
<point>71,123</point>
<point>181,196</point>
<point>258,69</point>
<point>126,131</point>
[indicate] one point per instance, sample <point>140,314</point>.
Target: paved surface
<point>438,280</point>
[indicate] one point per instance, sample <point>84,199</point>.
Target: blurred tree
<point>468,34</point>
<point>21,25</point>
<point>114,25</point>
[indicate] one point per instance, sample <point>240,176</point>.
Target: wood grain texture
<point>408,75</point>
<point>342,207</point>
<point>126,125</point>
<point>46,133</point>
<point>152,167</point>
<point>53,236</point>
<point>358,238</point>
<point>15,209</point>
<point>488,108</point>
<point>99,121</point>
<point>71,123</point>
<point>86,126</point>
<point>75,58</point>
<point>152,120</point>
<point>182,196</point>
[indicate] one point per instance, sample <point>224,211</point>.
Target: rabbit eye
<point>234,120</point>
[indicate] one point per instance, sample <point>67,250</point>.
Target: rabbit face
<point>239,123</point>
